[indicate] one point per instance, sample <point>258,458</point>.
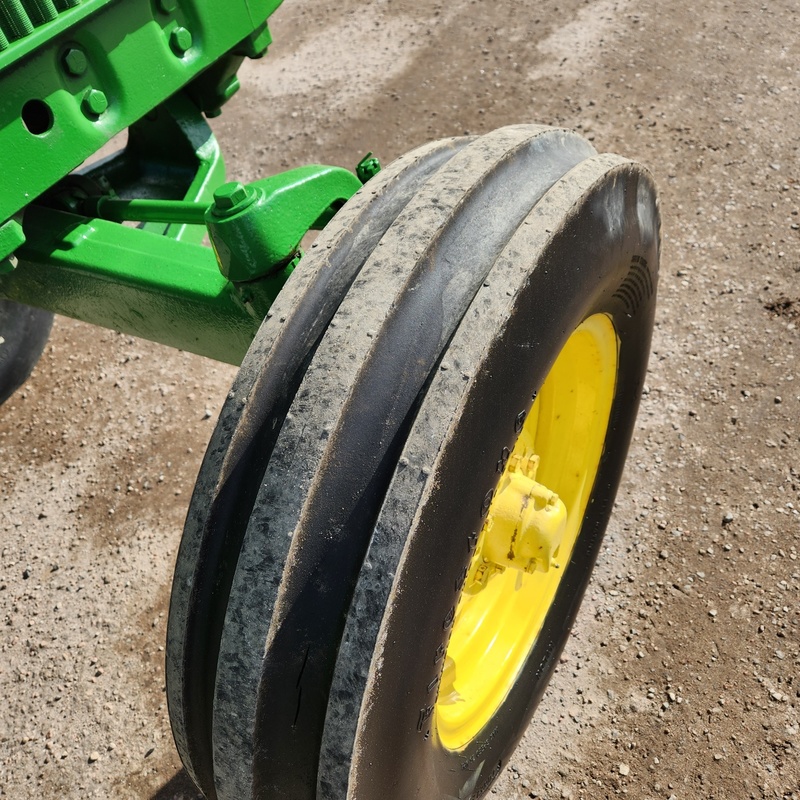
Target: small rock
<point>94,756</point>
<point>727,518</point>
<point>624,769</point>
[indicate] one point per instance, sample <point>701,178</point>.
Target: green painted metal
<point>171,154</point>
<point>257,229</point>
<point>172,291</point>
<point>11,237</point>
<point>254,228</point>
<point>138,282</point>
<point>70,79</point>
<point>168,211</point>
<point>368,167</point>
<point>58,108</point>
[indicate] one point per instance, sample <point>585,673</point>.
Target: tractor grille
<point>19,18</point>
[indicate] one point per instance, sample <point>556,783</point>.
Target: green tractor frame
<point>405,494</point>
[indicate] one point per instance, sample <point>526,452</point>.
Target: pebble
<point>94,756</point>
<point>624,769</point>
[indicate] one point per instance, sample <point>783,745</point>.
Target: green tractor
<point>406,491</point>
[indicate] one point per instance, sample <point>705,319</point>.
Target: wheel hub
<point>531,527</point>
<point>524,528</point>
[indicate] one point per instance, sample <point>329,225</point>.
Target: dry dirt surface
<point>681,680</point>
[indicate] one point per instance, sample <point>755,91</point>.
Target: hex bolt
<point>180,40</point>
<point>94,102</point>
<point>75,61</point>
<point>231,197</point>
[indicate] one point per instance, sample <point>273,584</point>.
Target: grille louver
<point>19,18</point>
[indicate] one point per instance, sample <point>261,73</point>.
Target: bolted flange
<point>256,229</point>
<point>524,526</point>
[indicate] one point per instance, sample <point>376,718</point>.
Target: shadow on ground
<point>179,787</point>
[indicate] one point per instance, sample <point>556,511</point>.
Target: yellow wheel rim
<point>529,534</point>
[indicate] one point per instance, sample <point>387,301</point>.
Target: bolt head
<point>230,195</point>
<point>167,6</point>
<point>75,61</point>
<point>94,102</point>
<point>180,40</point>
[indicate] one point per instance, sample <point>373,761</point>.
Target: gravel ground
<point>681,677</point>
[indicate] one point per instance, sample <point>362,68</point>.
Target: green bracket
<point>170,288</point>
<point>257,229</point>
<point>171,155</point>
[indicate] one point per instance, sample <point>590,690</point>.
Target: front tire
<point>422,704</point>
<point>340,506</point>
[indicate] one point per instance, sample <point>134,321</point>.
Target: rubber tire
<point>338,449</point>
<point>590,246</point>
<point>245,435</point>
<point>23,335</point>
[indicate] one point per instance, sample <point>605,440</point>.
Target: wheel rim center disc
<point>529,534</point>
